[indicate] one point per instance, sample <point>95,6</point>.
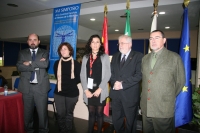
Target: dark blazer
<point>130,75</point>
<point>42,76</point>
<point>162,84</point>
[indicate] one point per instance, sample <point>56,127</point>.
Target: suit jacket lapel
<point>38,54</point>
<point>148,62</point>
<point>118,61</point>
<point>128,59</point>
<point>29,54</point>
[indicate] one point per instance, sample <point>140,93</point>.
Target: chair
<point>0,81</point>
<point>16,83</point>
<point>51,95</point>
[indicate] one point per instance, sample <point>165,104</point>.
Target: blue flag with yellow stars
<point>183,112</point>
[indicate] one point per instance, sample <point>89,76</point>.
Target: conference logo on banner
<point>64,29</point>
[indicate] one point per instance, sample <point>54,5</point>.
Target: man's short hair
<point>162,33</point>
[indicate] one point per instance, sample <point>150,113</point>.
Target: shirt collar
<point>127,54</point>
<point>158,53</point>
<point>34,50</point>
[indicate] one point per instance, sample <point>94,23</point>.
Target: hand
<point>118,85</point>
<point>43,59</point>
<point>97,92</point>
<point>88,94</point>
<point>26,63</point>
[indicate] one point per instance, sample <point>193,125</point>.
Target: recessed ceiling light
<point>161,12</point>
<point>92,19</point>
<point>167,27</point>
<point>12,5</point>
<point>116,30</point>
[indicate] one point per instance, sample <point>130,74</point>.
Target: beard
<point>33,46</point>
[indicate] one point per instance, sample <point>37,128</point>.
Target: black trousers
<point>158,125</point>
<point>38,99</point>
<point>65,111</point>
<point>121,110</point>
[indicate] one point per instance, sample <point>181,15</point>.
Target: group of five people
<point>161,72</point>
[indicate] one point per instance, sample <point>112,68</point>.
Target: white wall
<point>40,25</point>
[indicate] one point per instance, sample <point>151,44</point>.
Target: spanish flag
<point>105,43</point>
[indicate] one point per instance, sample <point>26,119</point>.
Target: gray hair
<point>128,38</point>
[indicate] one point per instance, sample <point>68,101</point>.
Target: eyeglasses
<point>122,43</point>
<point>155,38</point>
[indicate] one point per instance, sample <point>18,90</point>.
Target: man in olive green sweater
<point>163,77</point>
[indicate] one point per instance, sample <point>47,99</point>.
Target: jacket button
<point>151,73</point>
<point>149,81</point>
<point>148,98</point>
<point>148,90</point>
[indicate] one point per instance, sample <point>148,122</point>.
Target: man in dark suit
<point>125,92</point>
<point>34,83</point>
<point>163,78</point>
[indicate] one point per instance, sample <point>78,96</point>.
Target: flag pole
<point>127,4</point>
<point>154,22</point>
<point>105,10</point>
<point>186,3</point>
<point>127,26</point>
<point>155,5</point>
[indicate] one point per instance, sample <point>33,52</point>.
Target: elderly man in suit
<point>125,93</point>
<point>163,78</point>
<point>34,83</point>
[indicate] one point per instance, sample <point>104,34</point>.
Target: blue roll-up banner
<point>64,29</point>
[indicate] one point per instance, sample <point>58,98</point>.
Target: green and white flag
<point>128,28</point>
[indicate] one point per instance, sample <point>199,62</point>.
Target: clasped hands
<point>117,85</point>
<point>27,63</point>
<point>96,93</point>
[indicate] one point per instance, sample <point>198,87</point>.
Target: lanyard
<point>91,63</point>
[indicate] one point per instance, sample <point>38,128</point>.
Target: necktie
<point>153,61</point>
<point>122,61</point>
<point>33,73</point>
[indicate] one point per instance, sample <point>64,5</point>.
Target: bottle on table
<point>5,90</point>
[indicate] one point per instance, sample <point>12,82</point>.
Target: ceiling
<point>140,17</point>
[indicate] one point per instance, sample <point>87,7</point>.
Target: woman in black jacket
<point>67,73</point>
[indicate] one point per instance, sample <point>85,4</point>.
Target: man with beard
<point>125,82</point>
<point>34,83</point>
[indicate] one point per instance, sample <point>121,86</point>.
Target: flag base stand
<point>105,125</point>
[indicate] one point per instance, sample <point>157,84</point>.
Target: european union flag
<point>183,112</point>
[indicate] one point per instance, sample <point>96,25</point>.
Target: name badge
<point>90,83</point>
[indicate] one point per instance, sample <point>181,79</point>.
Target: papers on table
<point>9,92</point>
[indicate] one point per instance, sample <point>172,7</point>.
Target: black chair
<point>0,81</point>
<point>16,83</point>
